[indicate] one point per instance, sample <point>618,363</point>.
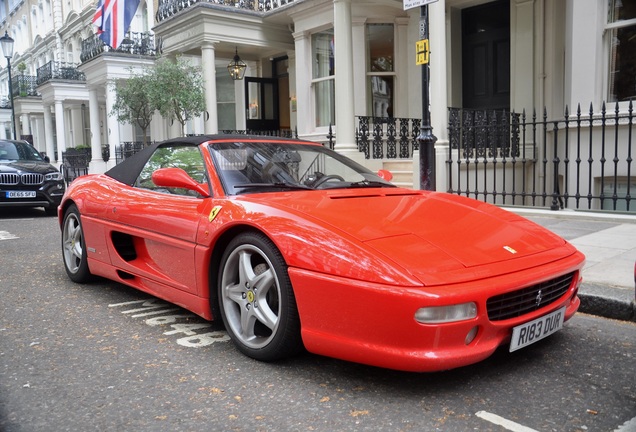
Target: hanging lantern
<point>237,67</point>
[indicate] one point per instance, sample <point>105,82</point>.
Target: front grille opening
<point>32,179</point>
<point>9,179</point>
<point>28,179</point>
<point>529,299</point>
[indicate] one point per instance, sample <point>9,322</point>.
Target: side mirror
<point>385,175</point>
<point>178,178</point>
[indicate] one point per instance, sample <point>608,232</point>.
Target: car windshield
<point>253,167</point>
<point>11,151</point>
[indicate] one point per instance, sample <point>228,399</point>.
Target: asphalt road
<point>106,357</point>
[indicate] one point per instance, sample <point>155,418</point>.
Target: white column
<point>522,70</point>
<point>150,14</point>
<point>112,134</point>
<point>97,162</point>
<point>404,57</point>
<point>345,117</point>
<point>438,90</point>
<point>176,129</point>
<point>438,74</point>
<point>37,130</point>
<point>75,119</point>
<point>26,125</point>
<point>59,129</point>
<point>93,111</point>
<point>360,61</point>
<point>211,121</point>
<point>303,64</point>
<point>48,133</point>
<point>293,101</point>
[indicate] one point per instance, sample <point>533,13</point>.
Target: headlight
<point>446,314</point>
<point>53,176</point>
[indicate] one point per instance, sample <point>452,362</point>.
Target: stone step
<point>402,170</point>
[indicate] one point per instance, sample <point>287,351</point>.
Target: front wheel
<point>74,247</point>
<point>256,299</point>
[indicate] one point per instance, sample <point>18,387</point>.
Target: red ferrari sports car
<point>295,246</point>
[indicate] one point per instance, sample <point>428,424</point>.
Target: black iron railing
<point>282,133</point>
<point>582,161</point>
<point>136,43</point>
<point>387,137</point>
<point>75,163</point>
<point>168,8</point>
<point>24,85</point>
<point>59,70</point>
<point>129,148</point>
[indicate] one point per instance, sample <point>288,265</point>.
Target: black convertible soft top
<point>128,170</point>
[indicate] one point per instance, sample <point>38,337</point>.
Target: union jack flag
<point>113,18</point>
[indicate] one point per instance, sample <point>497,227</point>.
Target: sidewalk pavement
<point>609,244</point>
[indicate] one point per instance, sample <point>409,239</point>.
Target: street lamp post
<point>7,49</point>
<point>426,139</point>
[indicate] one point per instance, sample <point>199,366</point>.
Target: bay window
<point>380,71</point>
<point>621,30</point>
<point>323,77</point>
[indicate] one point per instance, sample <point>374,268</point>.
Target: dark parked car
<point>27,179</point>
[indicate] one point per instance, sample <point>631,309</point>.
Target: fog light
<point>446,314</point>
<point>471,335</point>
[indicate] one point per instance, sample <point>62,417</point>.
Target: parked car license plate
<point>20,194</point>
<point>533,331</point>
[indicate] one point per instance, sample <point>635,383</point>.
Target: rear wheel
<point>73,247</point>
<point>256,299</point>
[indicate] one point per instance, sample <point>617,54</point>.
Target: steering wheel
<point>326,178</point>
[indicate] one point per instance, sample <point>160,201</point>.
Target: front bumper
<point>48,195</point>
<point>373,324</point>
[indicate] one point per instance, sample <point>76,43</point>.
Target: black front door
<point>261,100</point>
<point>486,56</point>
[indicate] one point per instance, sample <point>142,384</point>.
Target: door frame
<point>262,119</point>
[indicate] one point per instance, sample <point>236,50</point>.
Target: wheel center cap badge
<point>250,296</point>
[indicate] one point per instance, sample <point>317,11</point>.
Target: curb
<point>607,307</point>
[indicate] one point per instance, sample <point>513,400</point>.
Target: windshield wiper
<point>369,184</point>
<point>277,185</point>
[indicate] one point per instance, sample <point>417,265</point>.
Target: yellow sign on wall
<point>421,48</point>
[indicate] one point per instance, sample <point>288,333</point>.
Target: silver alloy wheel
<point>72,243</point>
<point>250,296</point>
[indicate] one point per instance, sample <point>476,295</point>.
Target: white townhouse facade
<point>316,67</point>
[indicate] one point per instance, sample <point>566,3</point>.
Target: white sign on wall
<point>409,4</point>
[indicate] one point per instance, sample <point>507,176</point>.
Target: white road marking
<point>6,235</point>
<point>505,423</point>
<point>192,339</point>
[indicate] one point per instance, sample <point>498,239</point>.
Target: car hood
<point>430,233</point>
<point>26,166</point>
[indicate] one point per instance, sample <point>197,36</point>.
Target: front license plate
<point>533,331</point>
<point>20,194</point>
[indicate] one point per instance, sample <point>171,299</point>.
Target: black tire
<point>257,300</point>
<point>74,247</point>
